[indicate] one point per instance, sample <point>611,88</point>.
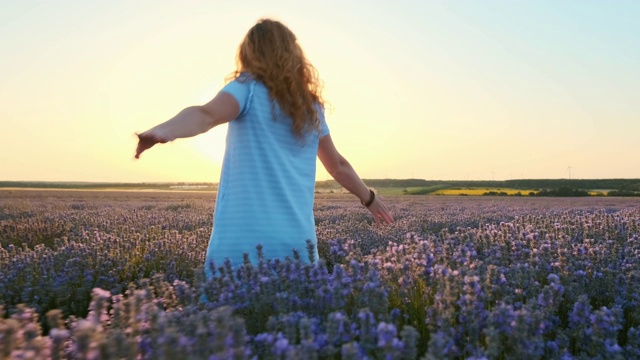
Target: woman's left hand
<point>380,212</point>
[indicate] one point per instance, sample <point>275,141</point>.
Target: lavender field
<point>118,275</point>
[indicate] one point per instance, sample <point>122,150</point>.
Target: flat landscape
<point>119,274</point>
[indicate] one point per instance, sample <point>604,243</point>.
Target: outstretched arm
<point>345,175</point>
<point>190,122</point>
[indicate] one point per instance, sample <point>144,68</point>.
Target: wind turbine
<point>569,167</point>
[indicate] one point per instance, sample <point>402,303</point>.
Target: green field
<point>481,191</point>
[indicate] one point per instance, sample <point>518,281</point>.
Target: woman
<point>276,129</point>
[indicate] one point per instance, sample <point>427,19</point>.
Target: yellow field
<point>480,191</point>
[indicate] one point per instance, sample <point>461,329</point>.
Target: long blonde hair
<point>272,55</point>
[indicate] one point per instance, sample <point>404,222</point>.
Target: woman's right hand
<point>146,140</point>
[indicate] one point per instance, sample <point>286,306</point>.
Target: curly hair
<point>272,55</point>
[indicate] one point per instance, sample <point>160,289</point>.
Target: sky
<point>438,90</point>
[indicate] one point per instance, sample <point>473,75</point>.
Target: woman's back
<point>267,182</point>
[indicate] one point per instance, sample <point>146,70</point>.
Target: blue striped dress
<point>266,189</point>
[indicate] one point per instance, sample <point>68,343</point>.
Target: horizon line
<point>364,179</point>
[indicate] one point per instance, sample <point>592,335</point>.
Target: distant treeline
<point>622,187</point>
<point>562,192</point>
<point>96,185</point>
<point>524,184</point>
<point>542,187</point>
<point>591,184</point>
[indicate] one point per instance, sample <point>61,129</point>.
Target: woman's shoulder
<point>247,81</point>
<point>245,77</point>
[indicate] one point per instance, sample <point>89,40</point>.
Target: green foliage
<point>625,193</point>
<point>631,187</point>
<point>562,192</point>
<point>571,183</point>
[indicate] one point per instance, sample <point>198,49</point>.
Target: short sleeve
<point>240,91</point>
<point>324,128</point>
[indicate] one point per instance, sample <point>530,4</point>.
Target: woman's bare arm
<point>345,175</point>
<point>190,122</point>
